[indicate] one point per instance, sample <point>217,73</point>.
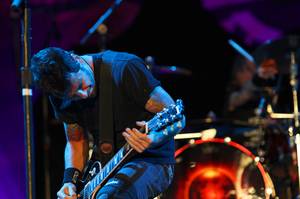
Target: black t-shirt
<point>132,85</point>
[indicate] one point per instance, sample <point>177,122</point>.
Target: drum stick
<point>240,50</point>
<point>205,134</point>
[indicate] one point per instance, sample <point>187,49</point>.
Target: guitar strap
<point>105,142</point>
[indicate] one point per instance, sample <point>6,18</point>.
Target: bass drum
<point>218,169</point>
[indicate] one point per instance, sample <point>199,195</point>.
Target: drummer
<point>253,86</point>
<point>245,92</point>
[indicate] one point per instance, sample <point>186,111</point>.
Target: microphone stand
<point>27,94</point>
<point>99,22</point>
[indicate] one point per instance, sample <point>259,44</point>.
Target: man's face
<point>82,83</point>
<point>245,73</point>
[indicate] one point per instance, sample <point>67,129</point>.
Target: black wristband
<point>71,175</point>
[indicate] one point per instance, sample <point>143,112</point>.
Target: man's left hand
<point>136,139</point>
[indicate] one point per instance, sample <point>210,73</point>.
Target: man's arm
<point>241,97</point>
<point>158,100</point>
<point>76,151</point>
<point>76,154</point>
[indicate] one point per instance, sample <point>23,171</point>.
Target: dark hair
<point>51,68</point>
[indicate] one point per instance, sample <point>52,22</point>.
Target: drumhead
<point>218,168</point>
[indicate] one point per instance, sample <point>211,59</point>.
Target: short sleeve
<point>61,115</point>
<point>139,81</point>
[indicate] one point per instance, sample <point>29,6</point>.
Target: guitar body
<point>89,174</point>
<point>95,177</point>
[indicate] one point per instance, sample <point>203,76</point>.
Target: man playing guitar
<point>73,87</point>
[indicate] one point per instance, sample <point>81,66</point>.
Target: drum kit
<point>234,159</point>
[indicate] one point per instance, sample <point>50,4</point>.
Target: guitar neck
<point>109,169</point>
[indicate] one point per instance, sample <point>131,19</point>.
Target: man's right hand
<point>67,191</point>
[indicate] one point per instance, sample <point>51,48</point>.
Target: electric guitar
<point>98,176</point>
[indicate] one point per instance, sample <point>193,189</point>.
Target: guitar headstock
<point>169,115</point>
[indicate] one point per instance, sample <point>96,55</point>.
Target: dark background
<point>189,34</point>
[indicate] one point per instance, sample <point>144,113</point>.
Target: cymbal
<point>280,50</point>
<point>171,70</point>
<point>222,121</point>
<point>161,69</point>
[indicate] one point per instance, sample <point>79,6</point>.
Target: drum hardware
<point>294,85</point>
<point>294,129</point>
<point>187,136</point>
<point>285,52</point>
<point>282,115</point>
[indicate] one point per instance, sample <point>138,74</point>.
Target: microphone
<point>16,8</point>
<point>17,4</point>
<point>100,21</point>
<point>150,62</point>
